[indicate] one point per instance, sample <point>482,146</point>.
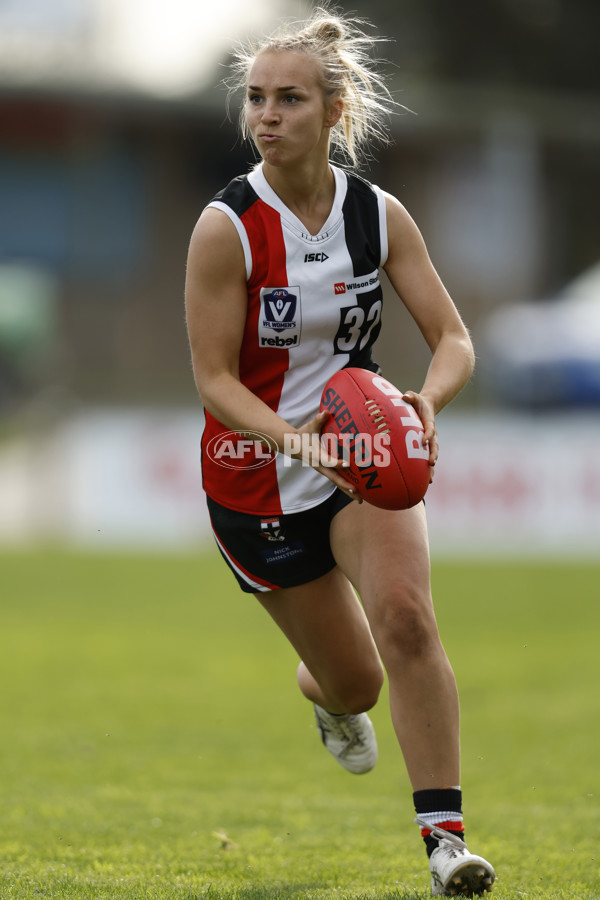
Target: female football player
<point>282,291</point>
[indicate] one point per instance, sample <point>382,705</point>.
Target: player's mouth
<point>269,138</point>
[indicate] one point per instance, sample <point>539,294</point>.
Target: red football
<point>379,434</point>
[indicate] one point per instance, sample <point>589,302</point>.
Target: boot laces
<point>343,728</point>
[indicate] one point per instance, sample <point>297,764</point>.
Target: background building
<point>113,136</point>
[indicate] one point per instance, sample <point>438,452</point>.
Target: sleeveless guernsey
<point>314,307</point>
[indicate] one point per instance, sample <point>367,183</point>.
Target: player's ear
<point>334,112</point>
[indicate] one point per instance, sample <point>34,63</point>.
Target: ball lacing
<point>377,415</point>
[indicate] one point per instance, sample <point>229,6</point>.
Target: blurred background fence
<point>114,135</point>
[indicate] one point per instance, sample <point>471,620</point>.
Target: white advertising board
<point>130,479</point>
<point>523,485</point>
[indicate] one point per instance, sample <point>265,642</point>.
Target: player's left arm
<point>420,288</point>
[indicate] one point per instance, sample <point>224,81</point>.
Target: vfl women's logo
<point>280,320</point>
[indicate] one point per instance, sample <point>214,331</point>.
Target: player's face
<point>285,108</point>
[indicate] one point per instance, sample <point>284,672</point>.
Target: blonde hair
<point>348,73</point>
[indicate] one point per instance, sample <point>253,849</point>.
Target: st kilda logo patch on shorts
<point>278,549</point>
<point>280,319</point>
<point>271,530</point>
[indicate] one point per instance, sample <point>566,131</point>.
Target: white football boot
<point>350,738</point>
<point>454,871</point>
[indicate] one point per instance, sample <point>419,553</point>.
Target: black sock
<point>441,807</point>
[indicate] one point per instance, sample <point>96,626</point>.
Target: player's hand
<point>314,453</point>
<point>424,410</point>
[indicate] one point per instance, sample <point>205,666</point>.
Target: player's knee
<point>360,691</point>
<point>366,694</point>
<point>407,624</point>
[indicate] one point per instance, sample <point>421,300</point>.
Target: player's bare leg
<point>340,670</point>
<point>386,556</point>
<point>324,621</point>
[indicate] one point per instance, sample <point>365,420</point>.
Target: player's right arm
<point>216,300</point>
<point>215,304</point>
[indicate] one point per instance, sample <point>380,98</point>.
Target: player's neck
<point>308,192</point>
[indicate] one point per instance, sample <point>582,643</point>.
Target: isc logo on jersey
<point>280,320</point>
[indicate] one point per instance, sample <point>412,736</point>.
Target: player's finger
<point>314,425</point>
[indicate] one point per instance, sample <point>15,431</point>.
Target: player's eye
<point>254,98</point>
<point>291,98</point>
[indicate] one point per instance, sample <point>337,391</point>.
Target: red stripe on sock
<point>445,826</point>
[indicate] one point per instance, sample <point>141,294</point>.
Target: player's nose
<point>270,112</point>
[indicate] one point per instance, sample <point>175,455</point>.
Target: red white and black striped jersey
<point>314,307</point>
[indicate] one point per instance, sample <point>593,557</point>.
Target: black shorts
<point>270,552</point>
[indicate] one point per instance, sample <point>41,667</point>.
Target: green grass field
<point>154,744</point>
